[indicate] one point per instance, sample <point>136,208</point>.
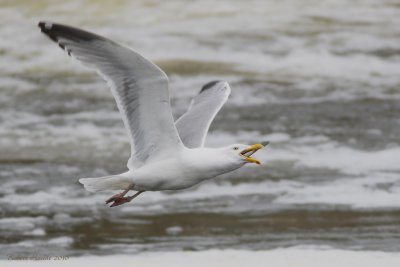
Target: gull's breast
<point>181,170</point>
<point>171,174</point>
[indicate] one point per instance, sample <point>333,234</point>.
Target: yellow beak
<point>246,153</point>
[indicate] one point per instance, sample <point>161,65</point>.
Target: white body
<point>184,169</point>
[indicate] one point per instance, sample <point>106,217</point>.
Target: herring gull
<point>165,155</point>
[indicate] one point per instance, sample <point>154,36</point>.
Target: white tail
<point>114,182</point>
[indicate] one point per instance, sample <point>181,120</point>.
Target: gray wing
<point>194,124</point>
<point>139,87</point>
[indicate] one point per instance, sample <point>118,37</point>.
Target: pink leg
<point>122,200</point>
<point>118,196</point>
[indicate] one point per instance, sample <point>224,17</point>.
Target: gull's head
<point>243,153</point>
<point>211,162</point>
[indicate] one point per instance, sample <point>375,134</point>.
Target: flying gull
<point>165,155</point>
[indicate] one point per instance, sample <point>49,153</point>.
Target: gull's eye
<point>235,148</point>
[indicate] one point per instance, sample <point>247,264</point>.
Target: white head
<point>237,155</point>
<point>211,162</point>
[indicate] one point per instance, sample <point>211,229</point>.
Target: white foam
<point>21,223</point>
<point>219,138</point>
<point>36,232</point>
<point>63,241</point>
<point>346,159</point>
<point>174,230</point>
<point>357,193</point>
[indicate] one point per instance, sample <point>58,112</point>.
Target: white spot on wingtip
<point>48,25</point>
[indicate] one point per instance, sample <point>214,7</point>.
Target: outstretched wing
<point>194,124</point>
<point>139,87</point>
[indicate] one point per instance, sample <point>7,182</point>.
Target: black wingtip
<point>41,24</point>
<point>55,30</point>
<point>208,85</point>
<point>45,28</point>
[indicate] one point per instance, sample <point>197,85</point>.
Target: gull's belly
<point>166,175</point>
<point>184,169</point>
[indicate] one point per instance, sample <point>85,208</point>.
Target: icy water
<point>319,79</point>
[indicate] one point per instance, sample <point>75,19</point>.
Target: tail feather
<point>114,182</point>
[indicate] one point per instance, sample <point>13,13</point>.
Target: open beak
<point>246,153</point>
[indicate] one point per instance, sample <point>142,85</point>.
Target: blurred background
<point>319,79</point>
